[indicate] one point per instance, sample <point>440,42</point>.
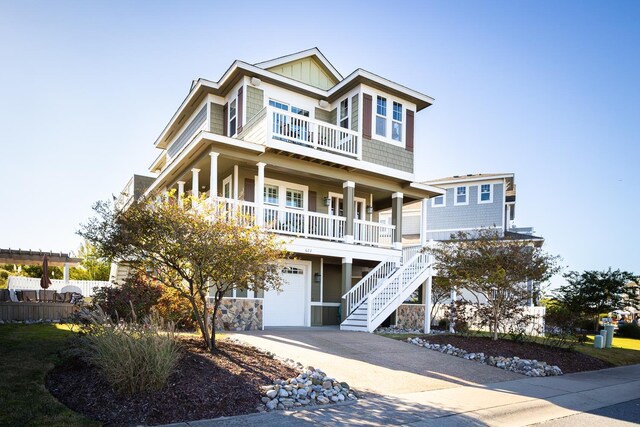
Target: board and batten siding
<point>471,216</point>
<point>188,132</point>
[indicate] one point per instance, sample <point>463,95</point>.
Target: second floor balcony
<point>282,129</point>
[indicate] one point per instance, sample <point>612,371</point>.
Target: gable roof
<point>469,177</point>
<point>313,53</point>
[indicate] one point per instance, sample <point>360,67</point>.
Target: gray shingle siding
<point>216,119</point>
<point>323,115</point>
<point>471,216</point>
<point>188,132</point>
<point>333,117</point>
<point>354,112</point>
<point>255,102</point>
<point>384,154</point>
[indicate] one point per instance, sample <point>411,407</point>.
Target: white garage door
<point>289,306</point>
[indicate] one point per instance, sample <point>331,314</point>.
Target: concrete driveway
<point>372,363</point>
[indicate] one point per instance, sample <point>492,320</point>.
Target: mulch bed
<point>203,386</point>
<point>569,361</point>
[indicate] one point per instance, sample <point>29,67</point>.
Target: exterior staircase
<point>387,286</point>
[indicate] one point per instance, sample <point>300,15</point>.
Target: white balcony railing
<point>300,130</point>
<point>301,223</point>
<point>373,233</point>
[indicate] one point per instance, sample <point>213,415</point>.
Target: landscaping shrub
<point>133,357</point>
<point>137,293</point>
<point>176,309</point>
<point>629,330</point>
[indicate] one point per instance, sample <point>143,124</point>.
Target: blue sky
<point>547,90</point>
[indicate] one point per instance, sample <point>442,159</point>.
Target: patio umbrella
<point>44,280</point>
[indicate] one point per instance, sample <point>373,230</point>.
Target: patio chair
<point>46,295</point>
<point>59,297</point>
<point>29,296</point>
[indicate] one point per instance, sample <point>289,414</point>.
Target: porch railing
<point>373,233</point>
<point>301,130</point>
<point>296,222</point>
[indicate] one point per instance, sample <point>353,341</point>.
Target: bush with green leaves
<point>133,357</point>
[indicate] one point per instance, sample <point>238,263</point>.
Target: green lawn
<point>624,351</point>
<point>27,353</point>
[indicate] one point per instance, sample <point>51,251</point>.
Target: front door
<point>290,305</point>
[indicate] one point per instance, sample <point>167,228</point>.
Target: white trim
<point>461,229</point>
<point>397,195</point>
<point>307,297</point>
<point>282,192</point>
<point>463,179</point>
<point>325,304</point>
<point>455,195</point>
<point>491,190</point>
<point>229,118</point>
<point>302,245</point>
<point>348,117</point>
<point>228,180</point>
<point>333,210</point>
<point>348,184</point>
<point>444,201</point>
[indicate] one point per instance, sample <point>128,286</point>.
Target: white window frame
<point>480,201</point>
<point>277,195</point>
<point>400,122</point>
<point>388,119</point>
<point>289,189</point>
<point>356,200</point>
<point>444,201</point>
<point>282,193</point>
<point>233,131</point>
<point>228,181</point>
<point>385,116</point>
<point>455,195</point>
<point>348,116</point>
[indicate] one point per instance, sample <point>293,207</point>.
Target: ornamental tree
<point>494,269</point>
<point>202,252</point>
<point>595,292</point>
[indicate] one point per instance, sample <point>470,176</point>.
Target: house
<point>470,202</point>
<point>314,157</point>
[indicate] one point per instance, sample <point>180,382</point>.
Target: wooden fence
<point>35,310</point>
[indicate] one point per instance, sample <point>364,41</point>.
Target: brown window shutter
<point>225,119</point>
<point>410,130</point>
<point>249,190</point>
<point>240,104</point>
<point>313,199</point>
<point>366,115</point>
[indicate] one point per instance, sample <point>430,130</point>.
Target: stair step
<point>353,328</point>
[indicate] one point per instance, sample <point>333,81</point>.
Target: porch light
<point>327,201</point>
<point>316,277</point>
<point>369,210</point>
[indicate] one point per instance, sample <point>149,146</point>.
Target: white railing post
<point>260,194</point>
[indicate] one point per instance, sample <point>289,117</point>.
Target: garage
<point>290,306</point>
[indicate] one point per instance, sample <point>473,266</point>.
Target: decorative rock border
<point>528,367</point>
<point>312,387</point>
<point>400,330</point>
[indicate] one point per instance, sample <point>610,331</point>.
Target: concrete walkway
<point>408,385</point>
<point>373,363</point>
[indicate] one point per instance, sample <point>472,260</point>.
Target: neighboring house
<point>314,156</point>
<point>471,202</point>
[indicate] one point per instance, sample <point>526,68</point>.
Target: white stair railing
<point>368,283</point>
<point>392,289</point>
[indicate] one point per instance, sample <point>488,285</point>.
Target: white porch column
<point>427,306</point>
<point>195,182</point>
<point>66,272</point>
<point>423,222</point>
<point>452,320</point>
<point>235,182</point>
<point>180,193</point>
<point>213,177</point>
<point>260,194</point>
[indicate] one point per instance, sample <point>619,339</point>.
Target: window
<point>296,110</point>
<point>226,187</point>
<point>271,194</point>
<point>295,198</point>
<point>278,104</point>
<point>437,201</point>
<point>232,117</point>
<point>461,196</point>
<point>381,116</point>
<point>486,194</point>
<point>343,118</point>
<point>292,270</point>
<point>396,123</point>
